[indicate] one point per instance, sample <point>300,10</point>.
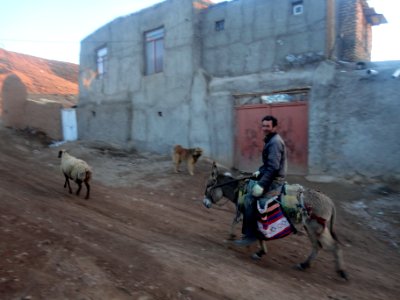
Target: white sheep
<point>76,170</point>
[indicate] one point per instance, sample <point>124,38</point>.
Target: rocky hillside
<point>40,76</point>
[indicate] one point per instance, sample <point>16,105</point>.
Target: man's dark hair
<point>271,118</point>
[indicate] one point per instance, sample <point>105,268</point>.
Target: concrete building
<point>180,71</point>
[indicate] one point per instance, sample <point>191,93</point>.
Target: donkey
<point>314,210</point>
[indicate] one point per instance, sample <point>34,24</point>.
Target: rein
<point>229,182</point>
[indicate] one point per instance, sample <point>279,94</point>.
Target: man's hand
<point>257,190</point>
<point>256,174</point>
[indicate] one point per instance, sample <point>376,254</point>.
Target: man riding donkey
<point>270,179</point>
<point>266,214</point>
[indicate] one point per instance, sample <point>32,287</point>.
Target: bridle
<point>214,185</point>
<point>209,189</point>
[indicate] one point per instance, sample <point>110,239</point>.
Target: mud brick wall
<point>355,32</point>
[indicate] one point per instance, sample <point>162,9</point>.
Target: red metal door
<point>292,126</point>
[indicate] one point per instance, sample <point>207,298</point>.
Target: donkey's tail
<point>332,225</point>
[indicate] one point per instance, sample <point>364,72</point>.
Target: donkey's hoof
<point>256,256</point>
<point>343,274</point>
<point>232,237</point>
<point>302,266</point>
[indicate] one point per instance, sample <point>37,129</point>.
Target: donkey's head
<point>213,193</point>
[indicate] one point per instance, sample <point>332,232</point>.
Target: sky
<point>53,29</point>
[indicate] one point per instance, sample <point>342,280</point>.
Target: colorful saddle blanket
<point>272,222</point>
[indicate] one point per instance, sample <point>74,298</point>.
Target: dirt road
<point>144,234</point>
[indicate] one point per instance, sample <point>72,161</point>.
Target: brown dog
<point>190,155</point>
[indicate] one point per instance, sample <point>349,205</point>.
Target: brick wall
<point>355,32</point>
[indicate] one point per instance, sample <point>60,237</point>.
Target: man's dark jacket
<point>274,160</point>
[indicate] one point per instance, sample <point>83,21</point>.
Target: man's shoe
<point>246,241</point>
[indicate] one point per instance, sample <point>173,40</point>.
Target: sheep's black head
<point>60,153</point>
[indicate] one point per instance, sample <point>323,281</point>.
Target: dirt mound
<point>39,75</point>
<point>145,234</point>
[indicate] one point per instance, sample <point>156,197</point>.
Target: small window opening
<point>297,8</point>
<point>101,61</point>
<point>220,25</point>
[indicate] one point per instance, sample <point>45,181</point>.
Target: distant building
<point>182,70</point>
<point>34,92</point>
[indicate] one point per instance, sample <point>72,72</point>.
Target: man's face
<point>267,127</point>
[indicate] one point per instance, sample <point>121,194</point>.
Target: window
<point>220,25</point>
<point>297,7</point>
<point>101,62</point>
<point>154,47</point>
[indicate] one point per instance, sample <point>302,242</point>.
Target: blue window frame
<point>154,51</point>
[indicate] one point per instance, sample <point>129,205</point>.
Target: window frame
<point>154,50</point>
<point>101,61</point>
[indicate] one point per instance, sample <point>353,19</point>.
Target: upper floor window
<point>154,47</point>
<point>219,25</point>
<point>297,7</point>
<point>101,61</point>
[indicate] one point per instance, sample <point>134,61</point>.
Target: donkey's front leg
<point>262,251</point>
<point>236,220</point>
<point>313,233</point>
